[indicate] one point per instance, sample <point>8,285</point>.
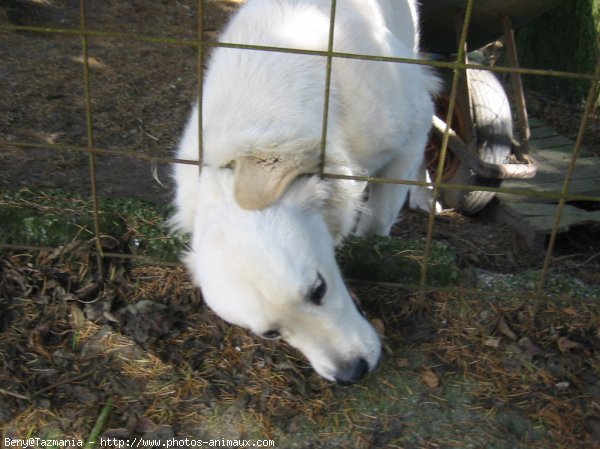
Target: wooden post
<point>464,93</point>
<point>517,88</point>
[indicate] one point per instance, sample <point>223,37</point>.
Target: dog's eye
<point>271,335</point>
<point>317,292</point>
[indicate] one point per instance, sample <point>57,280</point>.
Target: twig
<point>66,381</point>
<point>589,260</point>
<point>10,393</point>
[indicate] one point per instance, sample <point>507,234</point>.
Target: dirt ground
<point>141,92</point>
<point>136,354</point>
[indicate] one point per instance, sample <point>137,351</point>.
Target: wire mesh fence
<point>486,362</point>
<point>458,66</point>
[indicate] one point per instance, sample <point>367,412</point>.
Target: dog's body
<point>263,225</point>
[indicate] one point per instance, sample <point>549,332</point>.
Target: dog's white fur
<point>263,224</point>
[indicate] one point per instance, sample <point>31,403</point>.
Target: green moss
<point>146,224</point>
<point>386,259</point>
<point>55,218</point>
<point>49,219</point>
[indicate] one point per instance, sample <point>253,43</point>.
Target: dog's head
<point>263,254</point>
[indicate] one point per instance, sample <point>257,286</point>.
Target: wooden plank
<point>535,122</point>
<point>554,171</point>
<point>541,131</point>
<point>556,141</point>
<point>534,217</point>
<point>550,179</point>
<point>541,217</point>
<point>560,157</point>
<point>556,146</point>
<point>507,215</point>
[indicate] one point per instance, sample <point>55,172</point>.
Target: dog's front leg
<point>386,200</point>
<point>421,197</point>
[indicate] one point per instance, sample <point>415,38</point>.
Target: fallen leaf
<point>515,358</point>
<point>505,329</point>
<point>110,317</point>
<point>529,348</point>
<point>37,336</point>
<point>145,321</point>
<point>162,432</point>
<point>144,425</point>
<point>403,363</point>
<point>379,326</point>
<point>86,293</point>
<point>564,344</point>
<point>283,412</point>
<point>570,310</point>
<point>430,379</point>
<point>492,342</point>
<point>120,433</point>
<point>77,318</point>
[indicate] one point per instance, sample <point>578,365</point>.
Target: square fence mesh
<point>94,41</point>
<point>490,323</point>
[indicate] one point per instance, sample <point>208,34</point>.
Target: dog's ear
<point>259,181</point>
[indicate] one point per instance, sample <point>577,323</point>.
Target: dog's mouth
<point>375,322</point>
<point>357,304</point>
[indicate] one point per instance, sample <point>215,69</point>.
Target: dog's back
<point>256,99</point>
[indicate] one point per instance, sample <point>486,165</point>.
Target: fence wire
<point>459,66</point>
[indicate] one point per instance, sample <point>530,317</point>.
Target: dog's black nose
<point>354,372</point>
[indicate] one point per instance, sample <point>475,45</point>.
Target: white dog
<point>263,223</point>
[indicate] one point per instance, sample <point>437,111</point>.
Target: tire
<point>493,128</point>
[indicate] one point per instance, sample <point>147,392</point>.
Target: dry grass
<point>457,370</point>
